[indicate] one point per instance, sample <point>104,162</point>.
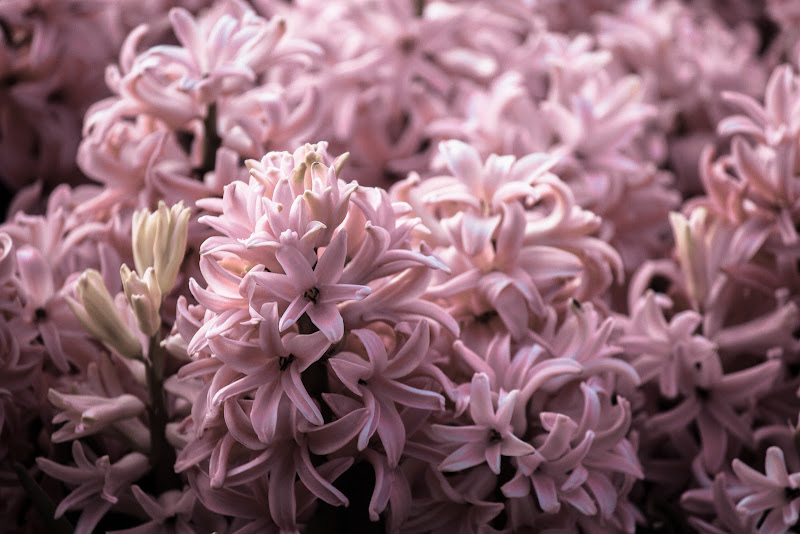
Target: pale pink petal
<point>90,516</point>
<point>581,500</point>
<point>265,411</point>
<point>376,350</point>
<point>506,409</point>
<point>52,340</point>
<point>296,309</point>
<point>240,426</point>
<point>278,285</point>
<point>296,268</point>
<point>189,35</point>
<point>76,496</point>
<point>677,417</point>
<point>308,348</point>
<point>714,440</point>
<point>411,354</point>
<point>518,487</point>
<point>750,476</point>
<point>392,432</point>
<point>268,333</point>
<point>224,501</point>
<point>340,292</point>
<point>242,385</point>
<point>350,372</point>
<point>373,422</point>
<point>558,440</point>
<point>318,486</point>
<point>604,493</point>
<point>410,396</point>
<point>242,356</point>
<point>468,455</point>
<point>546,493</point>
<point>293,386</point>
<point>480,402</point>
<point>282,501</point>
<point>775,466</point>
<point>758,502</point>
<point>773,524</point>
<point>327,318</point>
<point>459,434</point>
<point>464,161</point>
<point>329,266</point>
<point>36,275</point>
<point>513,446</point>
<point>493,457</point>
<point>331,437</point>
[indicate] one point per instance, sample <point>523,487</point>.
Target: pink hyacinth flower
<point>492,435</point>
<point>313,290</point>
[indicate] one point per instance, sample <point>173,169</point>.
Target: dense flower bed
<point>400,266</point>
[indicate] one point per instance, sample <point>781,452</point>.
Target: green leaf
<point>42,501</point>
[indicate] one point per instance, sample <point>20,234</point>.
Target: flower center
<point>791,493</point>
<point>495,436</point>
<point>407,44</point>
<point>312,294</point>
<point>285,361</point>
<point>702,393</point>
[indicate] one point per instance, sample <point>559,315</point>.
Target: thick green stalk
<point>211,141</point>
<point>162,455</point>
<point>43,503</point>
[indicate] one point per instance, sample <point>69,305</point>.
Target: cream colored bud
<point>159,241</point>
<point>96,311</point>
<point>144,297</point>
<point>691,251</point>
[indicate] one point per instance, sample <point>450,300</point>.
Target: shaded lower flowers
<point>776,493</point>
<point>716,402</point>
<point>99,482</point>
<point>269,484</point>
<point>171,512</point>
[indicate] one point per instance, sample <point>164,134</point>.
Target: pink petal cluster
<point>422,266</point>
<point>512,236</point>
<point>296,246</point>
<point>53,57</point>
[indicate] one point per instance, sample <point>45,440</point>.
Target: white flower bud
<point>144,297</point>
<point>691,251</point>
<point>96,311</point>
<point>159,241</point>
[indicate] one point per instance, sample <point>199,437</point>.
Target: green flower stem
<point>797,440</point>
<point>43,503</point>
<point>211,141</point>
<point>162,455</point>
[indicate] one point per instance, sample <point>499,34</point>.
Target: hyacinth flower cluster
<point>723,376</point>
<point>399,266</point>
<point>54,56</point>
<point>183,117</point>
<point>322,308</point>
